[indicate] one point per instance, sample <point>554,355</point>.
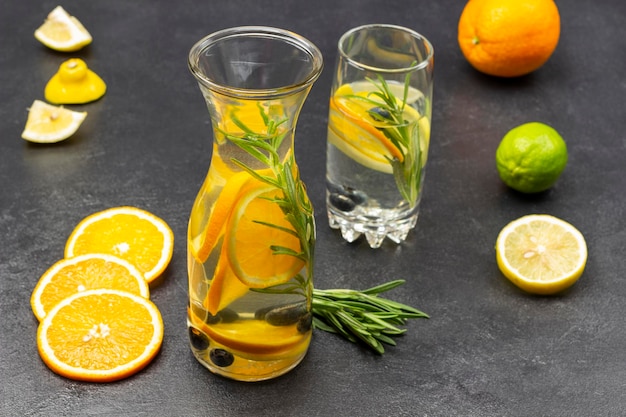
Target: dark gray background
<point>488,350</point>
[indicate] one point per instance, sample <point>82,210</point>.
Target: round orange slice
<point>130,233</point>
<point>257,235</point>
<point>100,335</point>
<point>81,273</point>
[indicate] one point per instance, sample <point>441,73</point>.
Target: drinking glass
<point>378,132</point>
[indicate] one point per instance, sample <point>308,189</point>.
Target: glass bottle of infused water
<point>251,231</point>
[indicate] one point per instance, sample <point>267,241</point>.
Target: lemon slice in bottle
<point>49,124</point>
<point>62,32</point>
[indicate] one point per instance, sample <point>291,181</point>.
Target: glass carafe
<point>251,230</point>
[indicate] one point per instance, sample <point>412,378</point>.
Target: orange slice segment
<point>130,233</point>
<point>81,273</point>
<point>251,241</point>
<point>100,335</point>
<point>256,337</point>
<point>225,287</point>
<point>202,245</point>
<point>351,121</point>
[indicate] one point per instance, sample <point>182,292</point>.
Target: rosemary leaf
<point>362,315</point>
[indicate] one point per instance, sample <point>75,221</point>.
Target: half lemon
<point>541,254</point>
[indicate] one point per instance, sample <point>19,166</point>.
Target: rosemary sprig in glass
<point>388,112</point>
<point>355,315</point>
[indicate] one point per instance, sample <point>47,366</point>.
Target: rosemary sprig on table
<point>362,315</point>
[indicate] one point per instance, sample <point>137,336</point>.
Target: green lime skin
<point>531,157</point>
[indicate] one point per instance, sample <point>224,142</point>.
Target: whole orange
<point>508,38</point>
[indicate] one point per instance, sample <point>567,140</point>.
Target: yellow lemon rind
<point>42,124</point>
<point>535,286</point>
<point>78,36</point>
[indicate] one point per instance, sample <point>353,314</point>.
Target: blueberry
<point>212,319</point>
<point>305,323</point>
<point>227,315</point>
<point>357,196</point>
<point>221,357</point>
<point>198,339</point>
<point>286,314</point>
<point>379,114</point>
<point>342,202</point>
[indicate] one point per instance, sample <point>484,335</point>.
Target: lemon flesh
<point>531,157</point>
<point>541,254</point>
<point>63,32</point>
<point>49,124</point>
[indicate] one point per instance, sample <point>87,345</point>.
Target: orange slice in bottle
<point>257,227</point>
<point>100,335</point>
<point>254,338</point>
<point>225,287</point>
<point>130,233</point>
<point>86,272</point>
<point>202,244</point>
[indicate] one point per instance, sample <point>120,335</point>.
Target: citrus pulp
<point>541,254</point>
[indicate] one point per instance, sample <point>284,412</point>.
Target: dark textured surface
<point>488,350</point>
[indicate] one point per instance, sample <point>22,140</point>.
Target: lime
<point>531,157</point>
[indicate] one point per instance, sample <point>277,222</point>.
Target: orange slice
<point>358,130</point>
<point>202,245</point>
<point>225,287</point>
<point>135,235</point>
<point>82,273</point>
<point>250,338</point>
<point>250,240</point>
<point>100,335</point>
<point>353,130</point>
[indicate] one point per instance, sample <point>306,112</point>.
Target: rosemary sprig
<point>264,147</point>
<point>362,315</point>
<point>388,111</point>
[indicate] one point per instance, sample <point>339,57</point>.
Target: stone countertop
<point>488,349</point>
